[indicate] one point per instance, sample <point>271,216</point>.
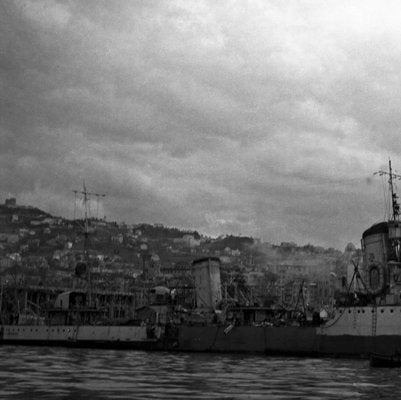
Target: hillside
<point>43,249</point>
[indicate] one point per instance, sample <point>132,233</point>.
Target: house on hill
<point>6,262</point>
<point>9,237</point>
<point>11,202</point>
<point>119,238</point>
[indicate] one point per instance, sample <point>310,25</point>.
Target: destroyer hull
<point>295,341</point>
<point>358,346</point>
<point>112,337</point>
<point>149,345</point>
<point>247,339</point>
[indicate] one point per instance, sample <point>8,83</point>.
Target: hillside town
<point>41,255</point>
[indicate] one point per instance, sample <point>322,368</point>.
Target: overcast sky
<point>262,118</point>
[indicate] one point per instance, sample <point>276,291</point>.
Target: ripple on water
<point>51,373</point>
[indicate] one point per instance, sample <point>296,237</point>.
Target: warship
<point>76,318</point>
<point>366,321</point>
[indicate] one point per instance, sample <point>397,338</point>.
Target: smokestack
<point>206,272</point>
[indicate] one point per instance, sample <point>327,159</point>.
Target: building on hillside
<point>35,263</point>
<point>150,266</point>
<point>22,232</point>
<point>11,202</point>
<point>177,269</point>
<point>24,248</point>
<point>36,222</point>
<point>15,257</point>
<point>190,241</point>
<point>33,244</point>
<point>231,252</point>
<point>288,245</point>
<point>187,241</point>
<point>319,293</point>
<point>9,238</point>
<point>6,262</point>
<point>119,238</point>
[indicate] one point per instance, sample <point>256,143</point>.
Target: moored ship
<point>77,318</point>
<point>71,322</point>
<point>367,320</point>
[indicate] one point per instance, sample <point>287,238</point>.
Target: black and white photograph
<point>199,199</point>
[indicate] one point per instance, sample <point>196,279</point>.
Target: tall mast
<point>395,207</point>
<point>394,197</point>
<point>86,197</point>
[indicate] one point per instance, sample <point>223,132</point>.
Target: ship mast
<point>394,198</point>
<point>85,198</point>
<point>394,221</point>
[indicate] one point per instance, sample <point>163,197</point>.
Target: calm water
<point>58,373</point>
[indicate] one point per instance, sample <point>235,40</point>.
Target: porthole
<point>382,311</point>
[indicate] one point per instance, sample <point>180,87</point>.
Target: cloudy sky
<point>262,118</point>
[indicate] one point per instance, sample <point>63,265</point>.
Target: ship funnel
<point>206,272</point>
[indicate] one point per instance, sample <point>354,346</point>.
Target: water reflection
<point>59,373</point>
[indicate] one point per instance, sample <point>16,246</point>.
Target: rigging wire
<point>75,204</point>
<point>385,198</point>
<point>331,182</point>
<point>89,209</point>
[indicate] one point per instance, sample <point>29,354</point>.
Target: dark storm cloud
<point>260,118</point>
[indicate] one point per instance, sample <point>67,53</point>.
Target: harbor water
<point>62,373</point>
